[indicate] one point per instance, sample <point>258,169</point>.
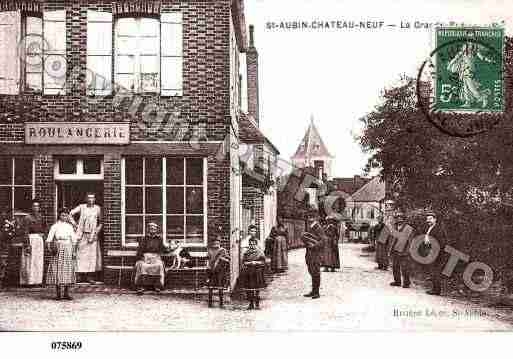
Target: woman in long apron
<point>330,251</point>
<point>61,243</point>
<point>279,252</point>
<point>31,271</point>
<point>89,258</point>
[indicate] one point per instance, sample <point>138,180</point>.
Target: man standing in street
<point>435,232</point>
<point>314,239</point>
<point>379,236</point>
<point>399,249</point>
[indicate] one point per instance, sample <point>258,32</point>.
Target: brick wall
<point>205,101</point>
<point>252,68</point>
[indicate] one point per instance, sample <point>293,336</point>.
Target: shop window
<point>170,191</point>
<point>16,183</point>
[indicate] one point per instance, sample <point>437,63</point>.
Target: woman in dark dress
<point>279,249</point>
<point>253,273</point>
<point>330,251</point>
<point>31,272</point>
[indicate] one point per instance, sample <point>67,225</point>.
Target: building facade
<point>364,198</point>
<point>138,102</point>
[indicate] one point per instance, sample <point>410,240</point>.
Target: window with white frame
<point>16,182</point>
<point>38,63</point>
<point>148,55</point>
<point>78,168</point>
<point>170,191</point>
<point>137,63</point>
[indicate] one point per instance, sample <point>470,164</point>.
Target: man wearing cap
<point>379,236</point>
<point>435,232</point>
<point>149,268</point>
<point>401,236</point>
<point>314,239</point>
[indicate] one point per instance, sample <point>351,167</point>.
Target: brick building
<point>137,101</point>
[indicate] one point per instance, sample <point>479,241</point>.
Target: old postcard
<point>256,166</point>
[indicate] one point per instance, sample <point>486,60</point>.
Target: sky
<point>337,75</point>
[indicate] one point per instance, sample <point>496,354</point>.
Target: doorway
<point>72,193</point>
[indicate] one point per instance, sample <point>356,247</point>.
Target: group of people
<point>73,246</point>
<point>253,263</point>
<point>392,242</point>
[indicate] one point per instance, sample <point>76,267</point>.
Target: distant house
<point>365,197</point>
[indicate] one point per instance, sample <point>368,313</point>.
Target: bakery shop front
<point>133,183</point>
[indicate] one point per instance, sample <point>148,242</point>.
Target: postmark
<point>460,87</point>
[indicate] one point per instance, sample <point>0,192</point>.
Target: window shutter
<point>171,54</point>
<point>54,33</point>
<point>99,53</point>
<point>10,26</point>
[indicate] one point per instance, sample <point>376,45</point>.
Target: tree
<point>467,180</point>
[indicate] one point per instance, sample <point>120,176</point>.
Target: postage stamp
<point>469,69</point>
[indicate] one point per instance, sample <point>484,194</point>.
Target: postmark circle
<point>454,123</point>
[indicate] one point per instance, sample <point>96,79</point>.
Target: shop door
<point>72,193</point>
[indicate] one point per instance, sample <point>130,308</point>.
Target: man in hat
<point>149,268</point>
<point>379,236</point>
<point>314,239</point>
<point>399,249</point>
<point>435,232</point>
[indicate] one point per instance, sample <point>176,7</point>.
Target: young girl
<point>253,273</point>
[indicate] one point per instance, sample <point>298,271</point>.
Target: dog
<point>180,257</point>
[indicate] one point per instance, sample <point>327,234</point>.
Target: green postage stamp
<point>469,69</point>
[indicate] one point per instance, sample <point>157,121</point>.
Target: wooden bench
<point>200,257</point>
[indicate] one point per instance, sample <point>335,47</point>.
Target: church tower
<point>312,152</point>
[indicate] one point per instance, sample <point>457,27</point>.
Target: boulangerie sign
<point>46,133</point>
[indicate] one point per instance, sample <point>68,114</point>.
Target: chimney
<point>252,70</point>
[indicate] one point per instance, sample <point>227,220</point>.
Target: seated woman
<point>149,268</point>
<point>252,278</point>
